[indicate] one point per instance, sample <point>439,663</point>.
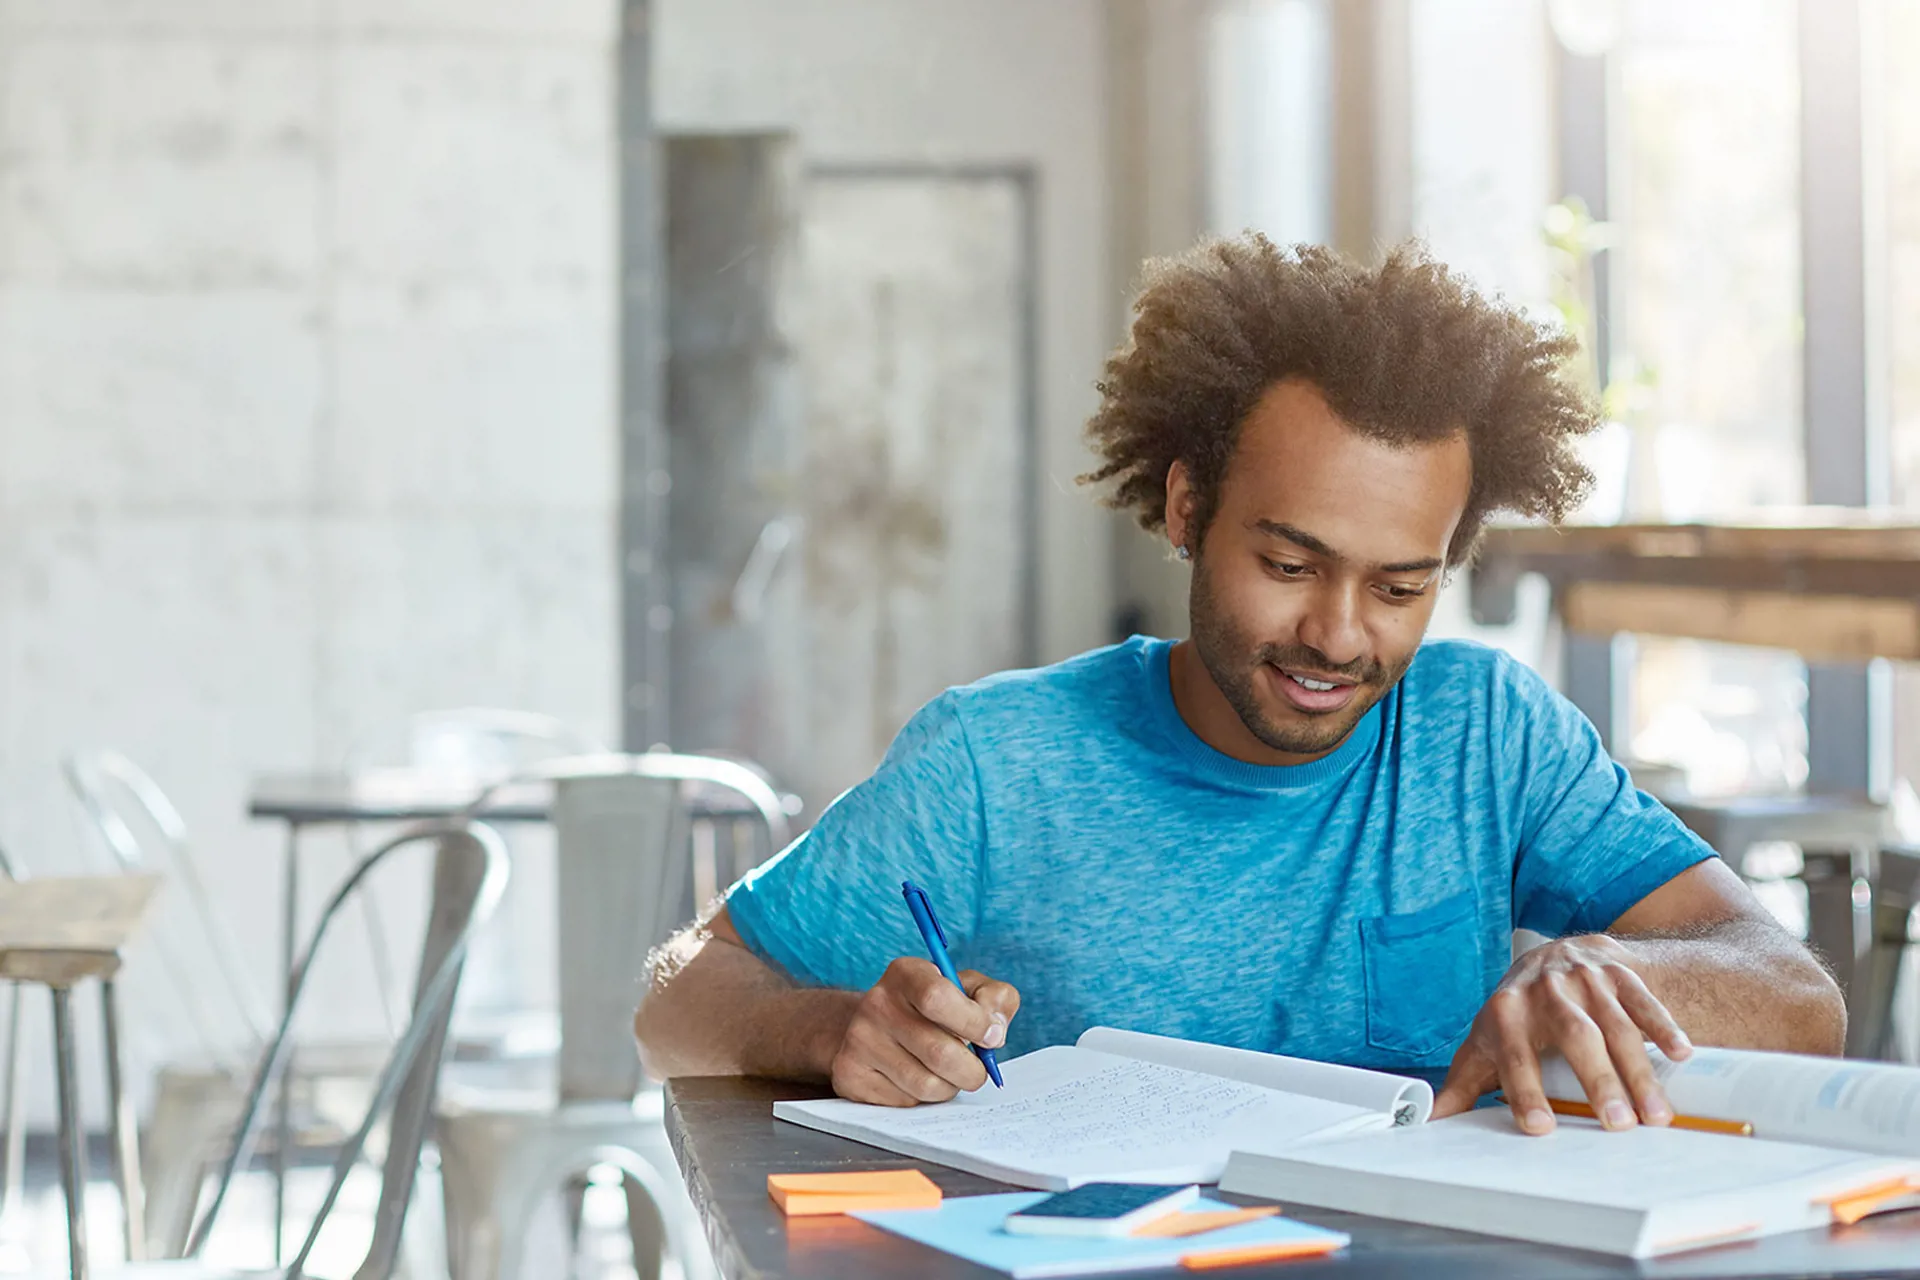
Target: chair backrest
<point>470,873</point>
<point>114,792</point>
<point>479,743</point>
<point>625,884</point>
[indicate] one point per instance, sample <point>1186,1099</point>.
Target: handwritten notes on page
<point>1070,1115</point>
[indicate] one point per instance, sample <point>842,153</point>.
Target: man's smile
<point>1314,692</point>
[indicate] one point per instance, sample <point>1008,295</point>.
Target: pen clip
<point>913,891</point>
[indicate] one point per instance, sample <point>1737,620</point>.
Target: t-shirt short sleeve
<point>1591,845</point>
<point>828,911</point>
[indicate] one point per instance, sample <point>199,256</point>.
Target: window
<point>1706,278</point>
<point>1899,94</point>
<point>1899,120</point>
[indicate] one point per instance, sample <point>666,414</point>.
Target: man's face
<point>1318,574</point>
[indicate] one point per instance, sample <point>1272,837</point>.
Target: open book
<point>1123,1106</point>
<point>1834,1140</point>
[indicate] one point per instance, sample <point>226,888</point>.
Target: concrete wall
<point>306,365</point>
<point>306,401</point>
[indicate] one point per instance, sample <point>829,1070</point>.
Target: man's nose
<point>1332,626</point>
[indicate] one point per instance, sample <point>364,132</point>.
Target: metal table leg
<point>124,1131</point>
<point>73,1152</point>
<point>1870,1029</point>
<point>283,1115</point>
<point>1836,912</point>
<point>12,1193</point>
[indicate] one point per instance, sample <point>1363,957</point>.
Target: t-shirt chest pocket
<point>1423,976</point>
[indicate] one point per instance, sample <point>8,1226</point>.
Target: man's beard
<point>1233,660</point>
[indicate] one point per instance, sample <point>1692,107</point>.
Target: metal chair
<point>482,744</point>
<point>101,781</point>
<point>1867,897</point>
<point>196,1101</point>
<point>470,873</point>
<point>625,883</point>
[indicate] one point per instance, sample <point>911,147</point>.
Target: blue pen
<point>937,948</point>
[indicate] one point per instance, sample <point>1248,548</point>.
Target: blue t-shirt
<point>1079,841</point>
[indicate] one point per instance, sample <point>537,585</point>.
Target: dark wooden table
<point>727,1142</point>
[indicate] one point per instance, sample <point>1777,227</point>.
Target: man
<point>1298,830</point>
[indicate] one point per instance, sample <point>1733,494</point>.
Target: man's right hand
<point>908,1040</point>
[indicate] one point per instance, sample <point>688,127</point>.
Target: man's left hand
<point>1579,997</point>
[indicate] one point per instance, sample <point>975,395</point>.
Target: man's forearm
<point>1743,984</point>
<point>715,1009</point>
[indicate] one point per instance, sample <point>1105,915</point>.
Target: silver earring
<point>1182,553</point>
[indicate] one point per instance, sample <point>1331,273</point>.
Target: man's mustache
<point>1300,656</point>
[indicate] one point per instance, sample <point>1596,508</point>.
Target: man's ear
<point>1179,507</point>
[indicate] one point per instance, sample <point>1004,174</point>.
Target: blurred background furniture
<point>450,756</point>
<point>197,1101</point>
<point>59,933</point>
<point>1834,584</point>
<point>621,823</point>
<point>469,874</point>
<point>142,830</point>
<point>13,1152</point>
<point>301,801</point>
<point>467,747</point>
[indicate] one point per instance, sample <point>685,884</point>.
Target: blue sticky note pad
<point>970,1227</point>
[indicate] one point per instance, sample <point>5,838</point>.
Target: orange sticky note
<point>809,1194</point>
<point>1203,1220</point>
<point>1257,1253</point>
<point>1851,1206</point>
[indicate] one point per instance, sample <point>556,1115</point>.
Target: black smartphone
<point>1099,1209</point>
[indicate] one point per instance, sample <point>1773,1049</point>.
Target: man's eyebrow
<point>1298,537</point>
<point>1308,542</point>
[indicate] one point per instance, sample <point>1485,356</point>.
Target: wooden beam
<point>1819,627</point>
<point>1808,533</point>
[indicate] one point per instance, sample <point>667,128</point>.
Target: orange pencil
<point>1257,1253</point>
<point>1701,1124</point>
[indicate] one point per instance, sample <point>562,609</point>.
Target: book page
<point>1071,1115</point>
<point>1833,1102</point>
<point>1405,1100</point>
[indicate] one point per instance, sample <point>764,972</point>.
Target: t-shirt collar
<point>1220,767</point>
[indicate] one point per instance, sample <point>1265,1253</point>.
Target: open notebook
<point>1835,1140</point>
<point>1123,1106</point>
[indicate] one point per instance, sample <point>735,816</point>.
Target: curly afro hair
<point>1407,352</point>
